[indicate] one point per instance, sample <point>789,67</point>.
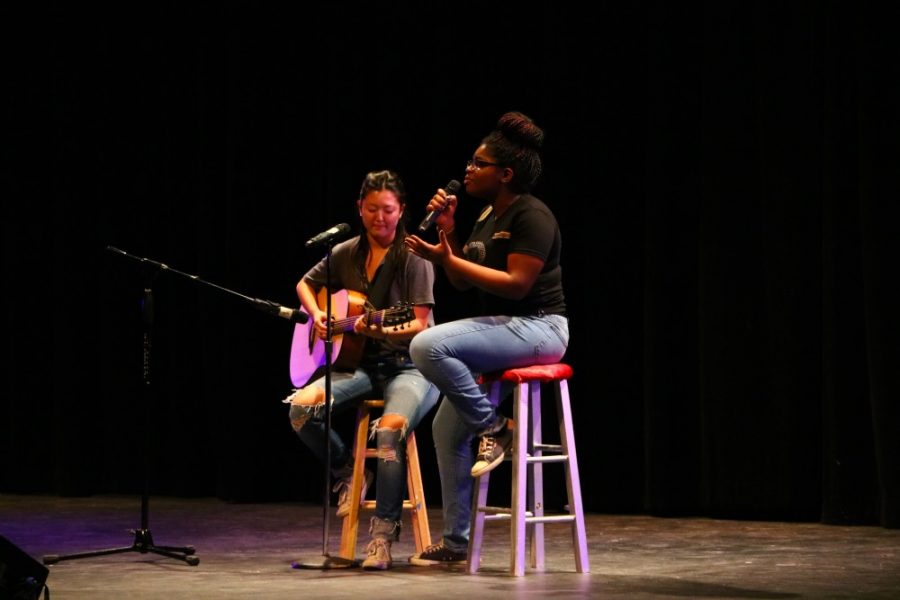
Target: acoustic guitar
<point>308,350</point>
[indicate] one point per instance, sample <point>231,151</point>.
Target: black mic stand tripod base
<point>143,543</point>
<point>143,540</point>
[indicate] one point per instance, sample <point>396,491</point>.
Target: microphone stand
<point>268,306</point>
<point>143,539</point>
<point>326,561</point>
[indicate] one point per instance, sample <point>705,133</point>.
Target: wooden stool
<point>527,507</point>
<point>416,499</point>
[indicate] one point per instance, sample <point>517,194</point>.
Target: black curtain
<point>722,172</point>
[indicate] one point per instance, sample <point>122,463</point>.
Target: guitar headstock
<point>398,316</point>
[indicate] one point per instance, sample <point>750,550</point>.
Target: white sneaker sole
<point>424,562</point>
<point>482,467</point>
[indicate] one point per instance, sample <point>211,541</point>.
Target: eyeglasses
<point>477,164</point>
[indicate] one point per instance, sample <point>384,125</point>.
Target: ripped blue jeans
<point>405,392</point>
<point>452,356</point>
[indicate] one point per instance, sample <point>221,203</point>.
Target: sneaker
<point>438,554</point>
<point>493,448</point>
<point>378,555</point>
<point>342,487</point>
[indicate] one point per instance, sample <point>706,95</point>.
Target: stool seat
<point>545,373</point>
<point>526,510</point>
<point>415,501</point>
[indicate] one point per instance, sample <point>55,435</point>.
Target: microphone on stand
<point>451,188</point>
<point>293,315</point>
<point>334,234</point>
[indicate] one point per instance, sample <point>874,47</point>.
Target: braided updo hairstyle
<point>515,142</point>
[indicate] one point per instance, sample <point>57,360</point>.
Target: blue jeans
<point>406,393</point>
<point>452,355</point>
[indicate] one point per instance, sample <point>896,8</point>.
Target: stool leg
<point>519,479</point>
<point>476,534</point>
<point>479,500</point>
<point>536,479</point>
<point>418,510</point>
<point>350,527</point>
<point>573,483</point>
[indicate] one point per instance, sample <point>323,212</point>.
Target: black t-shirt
<point>527,227</point>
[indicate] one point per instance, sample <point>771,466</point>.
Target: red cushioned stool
<point>528,457</point>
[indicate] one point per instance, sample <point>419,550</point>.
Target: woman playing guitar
<point>373,264</point>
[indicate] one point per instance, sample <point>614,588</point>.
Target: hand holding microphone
<point>451,188</point>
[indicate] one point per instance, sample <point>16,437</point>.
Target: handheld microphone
<point>293,315</point>
<point>451,188</point>
<point>334,234</point>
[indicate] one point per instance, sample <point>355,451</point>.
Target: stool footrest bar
<point>550,519</point>
<point>554,458</point>
<point>370,504</point>
<point>499,510</point>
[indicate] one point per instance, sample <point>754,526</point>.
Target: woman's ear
<point>359,206</point>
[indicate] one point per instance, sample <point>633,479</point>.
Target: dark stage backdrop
<point>724,174</point>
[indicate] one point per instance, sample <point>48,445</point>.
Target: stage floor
<point>245,551</point>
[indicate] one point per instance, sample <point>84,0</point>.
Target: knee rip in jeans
<point>308,396</point>
<point>388,438</point>
<point>305,403</point>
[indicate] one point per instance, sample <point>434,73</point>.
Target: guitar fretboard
<point>373,317</point>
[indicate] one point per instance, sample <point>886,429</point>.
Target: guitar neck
<point>373,317</point>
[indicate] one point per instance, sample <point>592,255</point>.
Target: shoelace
<point>486,447</point>
<point>374,545</point>
<point>432,548</point>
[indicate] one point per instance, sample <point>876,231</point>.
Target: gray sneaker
<point>492,448</point>
<point>378,555</point>
<point>342,487</point>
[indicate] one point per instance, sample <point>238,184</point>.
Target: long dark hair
<point>515,142</point>
<point>377,181</point>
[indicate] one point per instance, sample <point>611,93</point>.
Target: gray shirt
<point>412,283</point>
